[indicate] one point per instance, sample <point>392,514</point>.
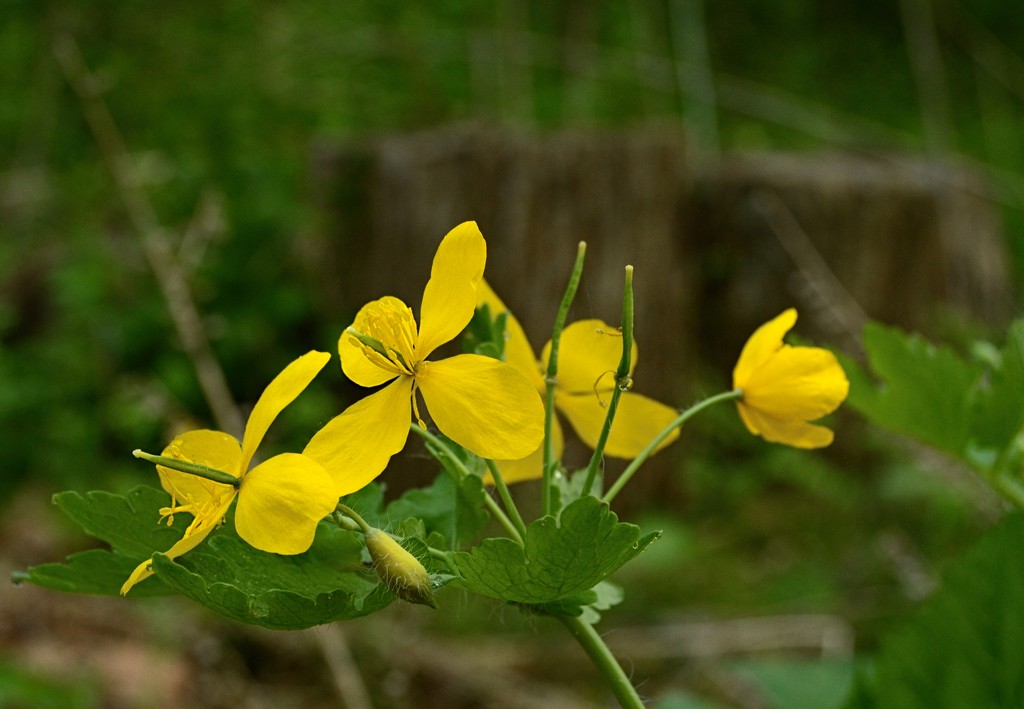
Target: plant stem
<point>506,497</point>
<point>492,506</point>
<point>1009,488</point>
<point>551,379</point>
<point>605,662</point>
<point>355,516</point>
<point>622,383</point>
<point>665,433</point>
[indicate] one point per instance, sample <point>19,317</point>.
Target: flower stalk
<point>551,378</point>
<point>665,433</point>
<point>604,661</point>
<point>506,497</point>
<point>622,382</point>
<point>463,471</point>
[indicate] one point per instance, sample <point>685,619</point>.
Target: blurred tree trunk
<point>716,252</point>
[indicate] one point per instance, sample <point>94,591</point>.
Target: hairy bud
<point>400,571</point>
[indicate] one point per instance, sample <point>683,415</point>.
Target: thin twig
<point>152,237</point>
<point>347,680</point>
<point>929,76</point>
<point>809,261</point>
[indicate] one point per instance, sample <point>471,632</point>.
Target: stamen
<point>416,406</point>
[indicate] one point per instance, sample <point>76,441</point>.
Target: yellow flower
<point>588,355</point>
<point>484,405</point>
<point>784,387</point>
<point>280,501</point>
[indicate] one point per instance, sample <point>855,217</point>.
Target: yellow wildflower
<point>280,501</point>
<point>785,387</point>
<point>484,405</point>
<point>588,356</point>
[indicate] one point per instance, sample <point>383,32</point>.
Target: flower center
<point>387,336</point>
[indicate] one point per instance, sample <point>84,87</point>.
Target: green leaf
<point>21,687</point>
<point>609,595</point>
<point>562,556</point>
<point>588,604</point>
<point>453,510</point>
<point>924,392</point>
<point>822,683</point>
<point>96,571</point>
<point>999,413</point>
<point>325,584</point>
<point>965,647</point>
<point>569,486</point>
<point>485,335</point>
<point>573,605</point>
<point>329,582</point>
<point>129,524</point>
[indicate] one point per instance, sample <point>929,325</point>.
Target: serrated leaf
<point>569,486</point>
<point>130,523</point>
<point>485,335</point>
<point>925,390</point>
<point>588,604</point>
<point>609,595</point>
<point>999,413</point>
<point>965,647</point>
<point>96,571</point>
<point>562,557</point>
<point>453,511</point>
<point>573,605</point>
<point>325,584</point>
<point>329,582</point>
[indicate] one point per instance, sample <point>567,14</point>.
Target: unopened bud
<point>400,571</point>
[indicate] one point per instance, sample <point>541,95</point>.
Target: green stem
<point>351,513</point>
<point>1009,488</point>
<point>492,506</point>
<point>184,466</point>
<point>622,383</point>
<point>506,497</point>
<point>605,662</point>
<point>551,380</point>
<point>665,433</point>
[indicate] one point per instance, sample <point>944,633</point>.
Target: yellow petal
<point>450,296</point>
<point>791,432</point>
<point>356,445</point>
<point>279,393</point>
<point>281,501</point>
<point>588,356</point>
<point>518,351</point>
<point>797,383</point>
<point>201,526</point>
<point>764,343</point>
<point>532,466</point>
<point>638,420</point>
<point>484,405</point>
<point>214,449</point>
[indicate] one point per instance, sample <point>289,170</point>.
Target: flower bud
<point>400,571</point>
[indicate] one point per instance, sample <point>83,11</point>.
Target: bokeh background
<point>190,190</point>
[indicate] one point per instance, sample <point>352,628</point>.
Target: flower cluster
<point>490,407</point>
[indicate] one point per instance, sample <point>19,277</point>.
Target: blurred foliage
<point>220,103</point>
<point>21,688</point>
